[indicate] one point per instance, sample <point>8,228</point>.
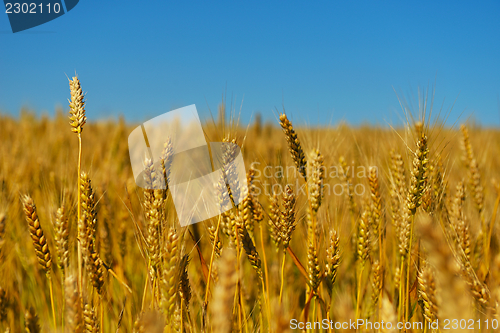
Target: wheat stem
<point>266,287</point>
<point>358,296</point>
<point>51,289</point>
<point>282,276</point>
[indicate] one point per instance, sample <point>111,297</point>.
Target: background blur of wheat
<point>409,235</point>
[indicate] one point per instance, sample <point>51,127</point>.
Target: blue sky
<point>327,61</point>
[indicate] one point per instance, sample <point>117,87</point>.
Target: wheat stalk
<point>77,120</point>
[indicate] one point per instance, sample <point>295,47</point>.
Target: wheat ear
<point>427,293</point>
<point>62,239</point>
<point>90,319</point>
<point>169,281</point>
<point>332,260</point>
<point>294,145</point>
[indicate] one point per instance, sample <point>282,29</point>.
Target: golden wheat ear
<point>76,106</point>
<point>37,235</point>
<point>332,260</point>
<point>427,293</point>
<point>90,319</point>
<point>169,283</point>
<point>62,239</point>
<point>298,156</point>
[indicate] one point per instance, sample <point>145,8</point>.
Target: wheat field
<point>340,225</point>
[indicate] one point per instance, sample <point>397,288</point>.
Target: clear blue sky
<point>328,61</point>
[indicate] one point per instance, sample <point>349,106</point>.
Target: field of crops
<point>340,224</point>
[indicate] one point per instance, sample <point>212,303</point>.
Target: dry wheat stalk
<point>37,235</point>
<point>223,298</point>
<point>31,321</point>
<point>294,145</point>
<point>77,120</point>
